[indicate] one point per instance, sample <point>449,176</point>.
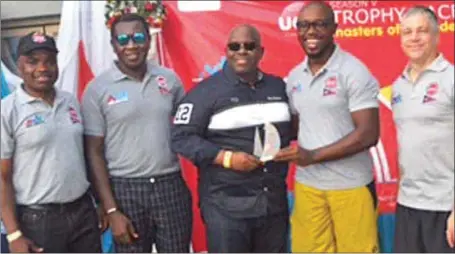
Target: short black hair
<point>128,17</point>
<point>325,6</point>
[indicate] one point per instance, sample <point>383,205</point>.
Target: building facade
<point>19,18</point>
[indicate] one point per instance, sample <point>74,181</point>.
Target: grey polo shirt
<point>324,103</point>
<point>424,116</point>
<point>45,145</point>
<point>135,119</point>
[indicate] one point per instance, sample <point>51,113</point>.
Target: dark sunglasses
<point>319,25</point>
<point>124,39</point>
<point>235,46</point>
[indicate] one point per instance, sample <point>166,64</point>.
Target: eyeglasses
<point>319,25</point>
<point>235,46</point>
<point>124,39</point>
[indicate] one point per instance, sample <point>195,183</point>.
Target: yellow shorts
<point>334,220</point>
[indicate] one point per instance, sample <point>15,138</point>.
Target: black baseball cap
<point>34,41</point>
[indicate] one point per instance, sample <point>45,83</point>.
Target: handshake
<point>241,161</point>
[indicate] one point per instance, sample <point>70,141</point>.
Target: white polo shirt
<point>135,118</point>
<point>45,144</point>
<point>324,103</point>
<point>424,117</point>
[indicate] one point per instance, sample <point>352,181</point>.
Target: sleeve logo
<point>183,115</point>
<point>74,117</point>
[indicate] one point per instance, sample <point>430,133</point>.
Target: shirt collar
<point>438,65</point>
<point>118,75</point>
<point>25,98</point>
<point>332,64</point>
<point>235,79</point>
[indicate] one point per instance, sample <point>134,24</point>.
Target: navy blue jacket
<point>222,112</point>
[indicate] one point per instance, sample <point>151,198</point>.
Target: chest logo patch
<point>234,99</point>
<point>274,98</point>
<point>396,99</point>
<point>34,120</point>
<point>330,87</point>
<point>162,85</point>
<point>297,88</point>
<point>117,98</point>
<point>430,93</point>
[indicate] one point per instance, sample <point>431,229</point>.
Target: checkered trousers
<point>160,210</point>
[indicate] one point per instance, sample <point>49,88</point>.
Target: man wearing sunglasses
<point>127,117</point>
<point>243,201</point>
<point>334,98</point>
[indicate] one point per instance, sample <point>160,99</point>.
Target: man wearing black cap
<point>44,200</point>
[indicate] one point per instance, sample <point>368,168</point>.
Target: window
<point>10,41</point>
<point>12,30</point>
<point>52,30</point>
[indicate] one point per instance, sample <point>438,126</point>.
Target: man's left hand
<point>296,154</point>
<point>450,233</point>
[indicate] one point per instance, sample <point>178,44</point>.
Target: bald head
<point>321,6</point>
<point>244,51</point>
<point>247,29</point>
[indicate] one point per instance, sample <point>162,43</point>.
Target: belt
<point>57,206</point>
<point>151,179</point>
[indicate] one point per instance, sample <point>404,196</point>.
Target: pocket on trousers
<point>372,189</point>
<point>29,217</point>
<point>33,225</point>
<point>88,214</point>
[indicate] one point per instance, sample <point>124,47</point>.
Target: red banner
<point>195,35</point>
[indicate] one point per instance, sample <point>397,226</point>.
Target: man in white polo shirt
<point>127,124</point>
<point>45,202</point>
<point>423,111</point>
<point>334,96</point>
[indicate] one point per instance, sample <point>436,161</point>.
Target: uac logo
<point>396,99</point>
<point>210,70</point>
<point>35,120</point>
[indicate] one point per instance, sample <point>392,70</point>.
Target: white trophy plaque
<point>272,143</point>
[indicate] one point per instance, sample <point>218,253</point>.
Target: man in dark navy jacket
<point>243,201</point>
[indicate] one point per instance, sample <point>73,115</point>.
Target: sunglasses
<point>124,39</point>
<point>235,46</point>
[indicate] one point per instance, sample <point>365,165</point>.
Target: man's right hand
<point>122,228</point>
<point>102,218</point>
<point>244,162</point>
<point>23,245</point>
